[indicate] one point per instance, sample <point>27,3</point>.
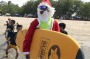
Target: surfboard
<point>47,44</point>
<point>20,38</point>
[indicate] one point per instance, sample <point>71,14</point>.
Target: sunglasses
<point>43,7</point>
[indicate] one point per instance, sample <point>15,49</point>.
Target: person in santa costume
<point>45,13</point>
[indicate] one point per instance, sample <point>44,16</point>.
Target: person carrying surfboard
<point>45,13</point>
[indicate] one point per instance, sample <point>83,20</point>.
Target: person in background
<point>62,28</point>
<point>9,29</point>
<point>12,41</point>
<point>7,24</point>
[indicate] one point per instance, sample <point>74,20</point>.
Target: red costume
<point>29,34</point>
<point>45,13</point>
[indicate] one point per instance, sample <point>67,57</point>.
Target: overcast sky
<point>21,2</point>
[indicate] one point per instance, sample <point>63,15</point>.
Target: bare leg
<point>7,51</point>
<point>27,56</point>
<point>7,43</point>
<point>17,53</point>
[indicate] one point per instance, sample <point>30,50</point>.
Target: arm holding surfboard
<point>44,21</point>
<point>28,37</point>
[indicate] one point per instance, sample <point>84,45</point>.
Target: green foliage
<point>64,8</point>
<point>84,11</point>
<point>9,8</point>
<point>30,8</point>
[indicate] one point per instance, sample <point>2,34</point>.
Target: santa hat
<point>47,1</point>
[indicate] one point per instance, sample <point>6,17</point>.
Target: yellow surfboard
<point>20,38</point>
<point>48,44</point>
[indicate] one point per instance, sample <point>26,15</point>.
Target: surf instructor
<point>45,13</point>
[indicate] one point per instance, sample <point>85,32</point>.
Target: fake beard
<point>43,17</point>
<point>46,14</point>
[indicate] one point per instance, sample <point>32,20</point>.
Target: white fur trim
<point>39,22</point>
<point>26,53</point>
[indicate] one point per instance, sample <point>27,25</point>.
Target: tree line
<point>67,9</point>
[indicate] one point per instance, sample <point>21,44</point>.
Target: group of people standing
<point>10,35</point>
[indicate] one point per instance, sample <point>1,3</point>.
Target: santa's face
<point>45,11</point>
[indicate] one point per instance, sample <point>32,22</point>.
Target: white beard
<point>43,17</point>
<point>46,15</point>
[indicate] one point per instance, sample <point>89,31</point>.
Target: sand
<point>79,30</point>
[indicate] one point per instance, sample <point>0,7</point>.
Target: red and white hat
<point>47,1</point>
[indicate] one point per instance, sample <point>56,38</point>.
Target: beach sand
<point>79,30</point>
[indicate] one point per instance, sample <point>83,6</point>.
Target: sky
<point>21,2</point>
<point>86,0</point>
